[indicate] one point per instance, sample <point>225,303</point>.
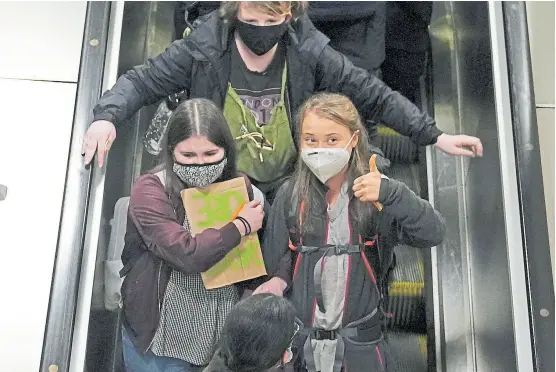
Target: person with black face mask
<point>259,61</point>
<point>171,321</point>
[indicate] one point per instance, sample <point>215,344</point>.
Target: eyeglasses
<point>297,327</point>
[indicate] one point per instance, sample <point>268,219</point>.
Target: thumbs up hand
<point>367,187</point>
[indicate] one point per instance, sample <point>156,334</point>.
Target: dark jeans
<point>149,362</point>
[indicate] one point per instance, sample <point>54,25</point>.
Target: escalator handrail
<point>57,343</point>
<point>532,205</point>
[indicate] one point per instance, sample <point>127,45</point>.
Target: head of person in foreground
<point>257,335</point>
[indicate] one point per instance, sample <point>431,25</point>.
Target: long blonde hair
<point>339,109</point>
<point>229,9</point>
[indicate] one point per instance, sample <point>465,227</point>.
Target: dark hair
<point>196,117</point>
<point>257,333</point>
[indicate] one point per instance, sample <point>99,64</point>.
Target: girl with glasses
<point>257,336</point>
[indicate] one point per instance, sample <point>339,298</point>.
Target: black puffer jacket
<point>355,28</point>
<point>201,64</point>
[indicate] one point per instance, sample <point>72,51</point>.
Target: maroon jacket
<point>155,235</point>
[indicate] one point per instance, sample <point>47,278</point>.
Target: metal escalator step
<point>406,299</point>
<point>397,148</point>
<point>385,131</point>
<point>408,174</point>
<point>409,265</point>
<point>406,296</point>
<point>406,284</point>
<point>409,352</point>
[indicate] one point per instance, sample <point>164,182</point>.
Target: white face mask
<point>325,163</point>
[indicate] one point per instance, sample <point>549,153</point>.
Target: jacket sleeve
<point>161,76</point>
<point>153,214</point>
<point>276,252</point>
<point>374,99</point>
<point>410,220</point>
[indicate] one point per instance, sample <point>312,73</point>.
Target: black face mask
<point>200,175</point>
<point>260,39</point>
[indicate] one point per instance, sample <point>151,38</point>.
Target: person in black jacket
<point>186,12</point>
<point>257,335</point>
<point>407,44</point>
<point>330,230</point>
<point>355,29</point>
<point>260,61</point>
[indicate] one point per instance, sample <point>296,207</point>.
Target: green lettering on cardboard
<point>249,254</point>
<point>216,207</point>
<point>227,263</point>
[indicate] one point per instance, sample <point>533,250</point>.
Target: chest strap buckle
<point>346,249</point>
<point>321,334</point>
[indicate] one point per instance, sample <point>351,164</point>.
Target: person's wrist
<point>240,227</point>
<point>439,139</point>
<point>281,282</point>
<point>246,224</point>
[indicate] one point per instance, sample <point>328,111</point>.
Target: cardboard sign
<point>214,207</point>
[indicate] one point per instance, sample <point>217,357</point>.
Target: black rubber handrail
<point>58,336</point>
<point>530,186</point>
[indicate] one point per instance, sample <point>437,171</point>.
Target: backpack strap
<point>368,327</point>
<point>290,244</point>
<point>338,356</point>
<point>334,250</point>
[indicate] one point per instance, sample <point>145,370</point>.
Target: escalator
<point>468,305</point>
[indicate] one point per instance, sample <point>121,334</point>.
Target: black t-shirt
<point>259,91</point>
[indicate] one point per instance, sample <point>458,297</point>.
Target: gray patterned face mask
<point>199,175</point>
